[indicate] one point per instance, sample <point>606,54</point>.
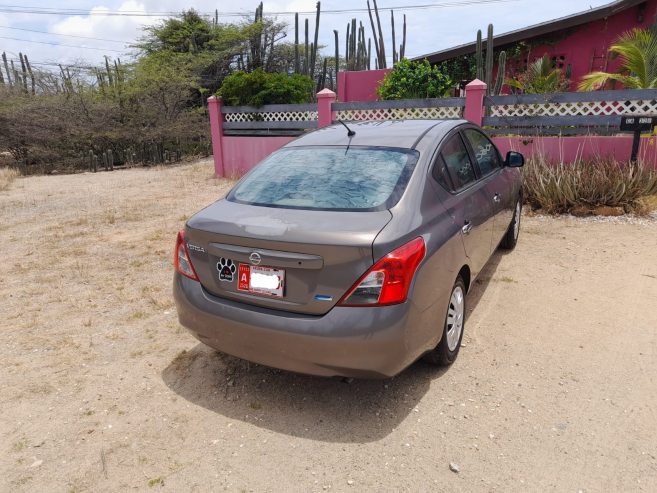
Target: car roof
<point>388,133</point>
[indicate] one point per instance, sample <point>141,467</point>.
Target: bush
<point>561,188</point>
<point>258,88</point>
<point>414,80</point>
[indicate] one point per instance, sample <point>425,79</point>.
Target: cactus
<point>376,39</point>
<point>110,79</point>
<point>402,48</point>
<point>313,53</point>
<point>29,71</point>
<point>17,79</point>
<point>394,43</point>
<point>322,79</point>
<point>479,57</point>
<point>24,71</point>
<point>337,57</point>
<point>369,53</point>
<point>501,69</point>
<point>382,55</point>
<point>485,68</point>
<point>297,62</point>
<point>4,59</point>
<point>305,58</point>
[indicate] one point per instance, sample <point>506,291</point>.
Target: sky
<point>65,28</point>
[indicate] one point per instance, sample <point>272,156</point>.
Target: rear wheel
<point>511,237</point>
<point>448,349</point>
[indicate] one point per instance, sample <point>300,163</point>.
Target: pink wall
<point>359,86</point>
<point>582,44</point>
<point>240,154</point>
<point>243,153</point>
<point>569,149</point>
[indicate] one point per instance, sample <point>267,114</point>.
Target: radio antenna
<point>350,132</point>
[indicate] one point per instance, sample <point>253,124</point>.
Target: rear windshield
<point>329,178</point>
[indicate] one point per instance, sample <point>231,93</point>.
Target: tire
<point>447,349</point>
<point>511,237</point>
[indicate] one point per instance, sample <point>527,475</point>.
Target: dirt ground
<point>555,388</point>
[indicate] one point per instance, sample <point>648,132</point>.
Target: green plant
<point>637,50</point>
<point>414,80</point>
<point>540,78</point>
<point>559,188</point>
<point>259,88</point>
<point>485,67</point>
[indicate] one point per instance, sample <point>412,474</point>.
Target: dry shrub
<point>7,175</point>
<point>559,188</point>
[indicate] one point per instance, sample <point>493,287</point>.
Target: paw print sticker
<point>227,269</point>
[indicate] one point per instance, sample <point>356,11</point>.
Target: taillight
<point>387,282</point>
<point>181,258</point>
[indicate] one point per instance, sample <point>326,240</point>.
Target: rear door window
<point>484,150</point>
<point>457,161</point>
<point>441,174</point>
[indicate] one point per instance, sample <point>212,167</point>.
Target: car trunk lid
<point>322,253</point>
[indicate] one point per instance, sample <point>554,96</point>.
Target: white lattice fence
<point>588,108</point>
<point>399,113</point>
<point>271,116</point>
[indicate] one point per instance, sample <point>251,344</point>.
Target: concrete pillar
<point>217,133</point>
<point>475,92</point>
<point>325,114</point>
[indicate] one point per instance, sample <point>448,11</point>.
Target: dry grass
<point>7,176</point>
<point>557,188</point>
<point>102,389</point>
<point>645,205</point>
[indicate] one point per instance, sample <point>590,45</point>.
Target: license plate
<point>256,279</point>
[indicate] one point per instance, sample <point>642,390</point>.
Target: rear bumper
<point>347,341</point>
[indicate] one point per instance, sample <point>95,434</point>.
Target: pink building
<point>578,43</point>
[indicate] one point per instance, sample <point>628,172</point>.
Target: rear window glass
<point>331,178</point>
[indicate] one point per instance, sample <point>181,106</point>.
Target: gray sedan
<point>350,251</point>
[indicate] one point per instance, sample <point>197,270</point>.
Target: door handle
<point>497,198</point>
<point>467,227</point>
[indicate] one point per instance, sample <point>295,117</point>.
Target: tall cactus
<point>501,69</point>
<point>337,57</point>
<point>489,56</point>
<point>394,43</point>
<point>485,67</point>
<point>24,71</point>
<point>402,48</point>
<point>29,71</point>
<point>376,38</point>
<point>313,54</point>
<point>479,57</point>
<point>297,64</point>
<point>4,59</point>
<point>306,53</point>
<point>382,54</point>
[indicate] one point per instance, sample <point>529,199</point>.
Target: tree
<point>637,50</point>
<point>205,50</point>
<point>541,77</point>
<point>414,80</point>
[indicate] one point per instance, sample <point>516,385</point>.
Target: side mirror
<point>514,160</point>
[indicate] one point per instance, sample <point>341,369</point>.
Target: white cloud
<point>428,30</point>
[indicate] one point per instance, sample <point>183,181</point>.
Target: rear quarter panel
<point>420,212</point>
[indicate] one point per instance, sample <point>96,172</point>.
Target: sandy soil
<point>555,388</point>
